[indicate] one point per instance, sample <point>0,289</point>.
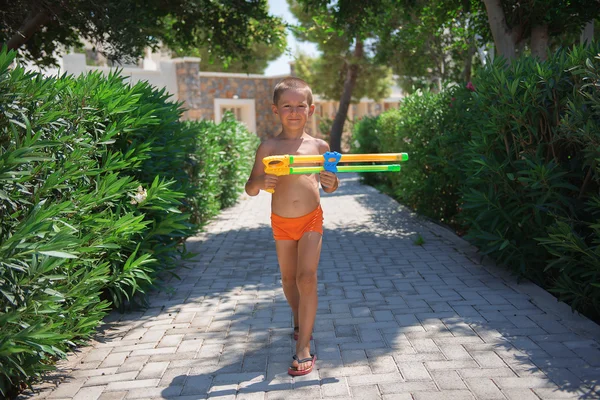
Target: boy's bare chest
<point>306,148</point>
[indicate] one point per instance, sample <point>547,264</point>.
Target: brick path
<point>396,320</point>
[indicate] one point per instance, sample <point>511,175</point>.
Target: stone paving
<point>396,320</point>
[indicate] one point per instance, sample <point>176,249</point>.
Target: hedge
<point>512,160</point>
<point>100,185</point>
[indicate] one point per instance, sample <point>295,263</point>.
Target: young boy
<point>296,215</point>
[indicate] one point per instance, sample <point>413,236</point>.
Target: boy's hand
<point>269,181</point>
<point>328,179</point>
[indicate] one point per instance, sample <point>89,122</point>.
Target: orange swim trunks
<point>294,228</point>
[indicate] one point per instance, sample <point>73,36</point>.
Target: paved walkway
<point>396,320</point>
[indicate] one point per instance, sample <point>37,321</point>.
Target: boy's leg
<point>309,252</point>
<point>287,256</point>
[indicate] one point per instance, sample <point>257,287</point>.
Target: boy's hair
<point>292,83</point>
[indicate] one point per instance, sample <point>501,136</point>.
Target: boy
<point>296,215</point>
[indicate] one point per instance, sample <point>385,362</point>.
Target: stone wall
<point>258,89</point>
<point>188,87</point>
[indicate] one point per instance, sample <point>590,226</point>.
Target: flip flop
<point>296,329</point>
<point>293,371</point>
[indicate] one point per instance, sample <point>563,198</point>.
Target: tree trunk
<point>504,37</point>
<point>469,62</point>
<point>539,41</point>
<point>337,129</point>
<point>587,35</point>
<point>33,24</point>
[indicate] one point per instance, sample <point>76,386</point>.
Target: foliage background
<point>100,185</point>
<point>512,161</point>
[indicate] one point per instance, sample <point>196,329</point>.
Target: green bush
<point>430,128</point>
<point>73,154</point>
<point>99,182</point>
<point>574,243</point>
<point>364,140</point>
<point>221,164</point>
<point>531,163</point>
<point>515,163</point>
<point>237,158</point>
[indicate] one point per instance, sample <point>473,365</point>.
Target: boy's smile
<point>293,110</point>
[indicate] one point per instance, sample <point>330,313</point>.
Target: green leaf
<point>58,254</point>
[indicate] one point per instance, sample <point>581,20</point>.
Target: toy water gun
<point>282,165</point>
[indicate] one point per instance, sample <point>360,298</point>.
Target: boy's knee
<point>306,280</point>
<point>288,280</point>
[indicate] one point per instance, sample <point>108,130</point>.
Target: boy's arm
<point>258,179</point>
<point>329,180</point>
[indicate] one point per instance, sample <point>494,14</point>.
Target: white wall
<point>160,74</point>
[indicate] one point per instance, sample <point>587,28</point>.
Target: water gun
<point>282,165</point>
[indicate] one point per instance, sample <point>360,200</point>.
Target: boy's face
<point>293,109</point>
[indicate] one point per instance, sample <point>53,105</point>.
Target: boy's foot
<point>296,371</point>
<point>296,333</point>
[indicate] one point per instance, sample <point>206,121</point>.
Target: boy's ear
<point>274,108</point>
<point>311,110</point>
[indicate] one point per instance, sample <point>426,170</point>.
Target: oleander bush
<point>531,169</point>
<point>221,164</point>
<point>99,188</point>
<point>430,127</point>
<point>513,162</point>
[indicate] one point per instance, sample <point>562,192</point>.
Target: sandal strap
<point>304,360</point>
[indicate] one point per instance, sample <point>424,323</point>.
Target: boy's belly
<point>295,196</point>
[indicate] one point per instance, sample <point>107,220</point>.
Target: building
<point>209,95</point>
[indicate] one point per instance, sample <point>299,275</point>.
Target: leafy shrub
<point>223,158</point>
<point>515,161</point>
<point>73,154</point>
<point>365,140</point>
<point>430,128</point>
<point>239,147</point>
<point>527,162</point>
<point>575,261</point>
<point>98,187</point>
<point>573,241</point>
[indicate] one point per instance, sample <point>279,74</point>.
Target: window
<point>244,111</point>
<point>236,111</point>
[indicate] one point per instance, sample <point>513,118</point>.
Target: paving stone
<point>114,360</point>
<point>371,379</point>
<point>66,390</point>
<point>133,364</point>
<point>113,395</point>
<point>89,393</point>
<point>444,395</point>
<point>153,370</point>
<point>367,392</point>
<point>520,394</point>
<point>106,379</point>
<point>382,364</point>
<point>407,387</point>
<point>336,388</point>
<point>448,380</point>
<point>484,388</point>
<point>414,371</point>
<point>196,385</point>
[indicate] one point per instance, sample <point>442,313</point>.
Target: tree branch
<point>337,128</point>
<point>29,27</point>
